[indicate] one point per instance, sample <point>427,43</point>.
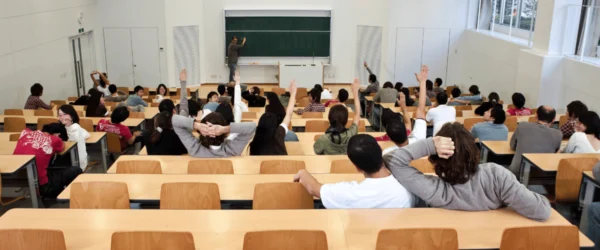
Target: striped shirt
<point>34,102</point>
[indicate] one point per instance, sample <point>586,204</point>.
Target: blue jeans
<point>593,230</point>
<point>232,69</point>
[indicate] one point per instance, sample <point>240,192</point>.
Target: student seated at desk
<point>574,110</point>
<point>270,133</point>
<point>95,106</point>
<point>441,114</point>
<point>474,98</point>
<point>461,182</point>
<point>315,103</point>
<point>224,96</point>
<point>102,82</point>
<point>44,145</point>
<point>161,92</point>
<point>70,119</point>
<point>212,101</point>
<point>192,108</point>
<point>114,126</point>
<point>385,95</point>
<point>438,86</point>
<point>493,129</point>
<point>455,94</point>
<point>493,99</point>
<point>429,89</point>
<point>162,140</point>
<point>587,138</point>
<point>253,97</point>
<point>135,100</point>
<point>378,190</point>
<point>34,101</point>
<point>84,99</point>
<point>518,100</point>
<point>335,140</point>
<point>341,98</point>
<point>276,107</point>
<point>115,96</point>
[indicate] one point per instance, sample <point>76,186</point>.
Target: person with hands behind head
<point>461,182</point>
<point>335,140</point>
<point>213,142</point>
<point>102,83</point>
<point>70,119</point>
<point>379,189</point>
<point>270,135</point>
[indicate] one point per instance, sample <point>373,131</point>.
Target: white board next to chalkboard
<point>306,75</point>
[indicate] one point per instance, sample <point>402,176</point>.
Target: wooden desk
<point>8,147</point>
<point>241,164</point>
<point>145,188</point>
<point>260,111</point>
<point>496,148</point>
<point>307,141</point>
<point>301,122</point>
<point>546,163</point>
<point>33,120</point>
<point>293,148</point>
<point>225,229</point>
<point>13,163</point>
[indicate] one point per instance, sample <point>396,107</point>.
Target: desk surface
<point>499,147</point>
<point>241,165</point>
<point>225,229</point>
<point>301,122</point>
<point>12,163</point>
<point>95,137</point>
<point>130,122</point>
<point>549,162</point>
<point>8,147</point>
<point>146,187</point>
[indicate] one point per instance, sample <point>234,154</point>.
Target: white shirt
<point>238,106</point>
<point>326,94</point>
<point>579,144</point>
<point>77,134</point>
<point>104,90</point>
<point>441,115</point>
<point>371,193</point>
<point>419,133</point>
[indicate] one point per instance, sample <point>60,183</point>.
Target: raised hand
<point>293,88</point>
<point>366,65</point>
<point>237,77</point>
<point>183,75</point>
<point>444,146</point>
<point>423,75</point>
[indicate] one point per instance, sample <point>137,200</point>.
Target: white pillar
<point>553,22</point>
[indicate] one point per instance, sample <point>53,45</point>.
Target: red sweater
<point>43,146</point>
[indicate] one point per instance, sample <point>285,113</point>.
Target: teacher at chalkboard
<point>233,53</point>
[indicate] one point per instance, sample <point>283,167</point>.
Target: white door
<point>81,49</point>
<point>435,52</point>
<point>87,62</point>
<point>119,59</point>
<point>146,56</point>
<point>409,49</point>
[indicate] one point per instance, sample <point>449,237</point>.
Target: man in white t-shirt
<point>379,189</point>
<point>441,114</point>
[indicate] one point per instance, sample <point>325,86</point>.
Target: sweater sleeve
<point>237,109</point>
<point>183,127</point>
<point>245,132</point>
<point>183,103</point>
<point>525,202</point>
<point>319,146</point>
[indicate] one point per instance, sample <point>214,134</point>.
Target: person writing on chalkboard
<point>232,55</point>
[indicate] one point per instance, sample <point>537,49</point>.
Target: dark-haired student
<point>270,134</point>
<point>119,115</point>
<point>461,182</point>
<point>34,101</point>
<point>212,101</point>
<point>417,93</point>
<point>253,97</point>
<point>95,106</point>
<point>335,140</point>
<point>574,110</point>
<point>535,137</point>
<point>379,189</point>
<point>388,94</point>
<point>315,103</point>
<point>429,88</point>
<point>103,82</point>
<point>586,139</point>
<point>493,129</point>
<point>493,99</point>
<point>456,92</point>
<point>136,98</point>
<point>398,86</point>
<point>70,119</point>
<point>518,101</point>
<point>441,114</point>
<point>161,92</point>
<point>223,95</point>
<point>276,107</point>
<point>438,86</point>
<point>44,145</point>
<point>372,88</point>
<point>115,95</point>
<point>213,129</point>
<point>341,99</point>
<point>474,98</point>
<point>162,140</point>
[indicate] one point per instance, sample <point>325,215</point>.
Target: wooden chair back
<point>14,124</point>
<point>154,104</point>
<point>29,239</point>
<point>80,113</point>
<point>123,89</point>
<point>468,113</point>
<point>362,126</point>
<point>45,121</point>
<point>113,143</point>
<point>146,91</point>
<point>152,240</point>
<point>319,126</point>
<point>562,120</point>
<point>58,103</point>
<point>210,166</point>
<point>569,176</point>
<point>188,92</point>
<point>281,166</point>
<point>99,195</point>
<point>458,112</point>
<point>312,115</point>
<point>112,105</point>
<point>511,123</point>
<point>14,137</point>
<point>285,239</point>
<point>86,124</point>
<point>301,92</point>
<point>463,107</point>
<point>423,165</point>
<point>533,119</point>
<point>294,148</point>
<point>190,196</point>
<point>43,112</point>
<point>249,115</point>
<point>448,90</point>
<point>470,122</point>
<point>139,167</point>
<point>510,106</point>
<point>344,166</point>
<point>137,115</point>
<point>417,239</point>
<point>540,238</point>
<point>72,98</point>
<point>534,111</point>
<point>287,195</point>
<point>303,102</point>
<point>278,91</point>
<point>13,112</point>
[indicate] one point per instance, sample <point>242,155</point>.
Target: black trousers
<point>58,179</point>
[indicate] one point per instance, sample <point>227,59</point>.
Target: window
<point>582,34</point>
<point>515,19</point>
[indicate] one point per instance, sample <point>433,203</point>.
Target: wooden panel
<point>569,175</point>
<point>418,239</point>
<point>139,167</point>
<point>30,239</point>
<point>152,241</point>
<point>281,167</point>
<point>99,195</point>
<point>285,239</point>
<point>317,126</point>
<point>343,167</point>
<point>540,238</point>
<point>14,124</point>
<point>281,196</point>
<point>190,196</point>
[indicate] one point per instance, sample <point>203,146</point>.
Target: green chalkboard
<point>281,36</point>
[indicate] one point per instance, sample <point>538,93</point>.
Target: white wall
<point>580,82</point>
<point>131,14</point>
<point>34,47</point>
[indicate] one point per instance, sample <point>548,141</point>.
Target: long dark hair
<point>461,166</point>
<point>592,123</point>
<point>69,110</point>
<point>265,141</point>
<point>338,117</point>
<point>162,86</point>
<point>275,107</point>
<point>101,82</point>
<point>162,123</point>
<point>94,107</point>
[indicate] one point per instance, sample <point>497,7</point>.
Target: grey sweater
<point>491,187</point>
<point>533,138</point>
<point>386,95</point>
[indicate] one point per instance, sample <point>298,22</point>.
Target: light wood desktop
<point>13,163</point>
<point>130,122</point>
<point>222,229</point>
<point>232,187</point>
<point>496,148</point>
